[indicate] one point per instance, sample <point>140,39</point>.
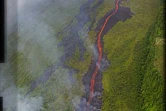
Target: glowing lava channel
<point>100,53</point>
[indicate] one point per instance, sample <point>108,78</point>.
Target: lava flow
<point>100,52</point>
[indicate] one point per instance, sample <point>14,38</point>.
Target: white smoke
<point>37,23</point>
<point>76,101</point>
<point>29,104</point>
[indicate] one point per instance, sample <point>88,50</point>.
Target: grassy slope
<point>153,82</point>
<point>159,43</point>
<point>124,46</point>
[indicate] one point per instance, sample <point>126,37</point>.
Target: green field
<point>133,82</point>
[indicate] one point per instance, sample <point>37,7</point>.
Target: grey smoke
<point>29,104</point>
<point>37,23</point>
<point>7,88</point>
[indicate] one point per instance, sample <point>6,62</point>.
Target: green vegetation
<point>21,75</point>
<point>92,37</point>
<point>80,65</point>
<point>159,41</point>
<point>24,67</point>
<point>64,13</point>
<point>103,8</point>
<point>152,91</point>
<point>132,82</point>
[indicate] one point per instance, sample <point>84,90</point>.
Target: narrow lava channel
<point>92,80</point>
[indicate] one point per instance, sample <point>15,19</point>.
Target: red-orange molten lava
<point>100,53</point>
